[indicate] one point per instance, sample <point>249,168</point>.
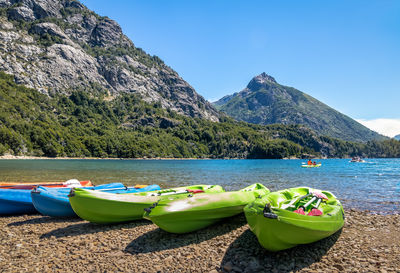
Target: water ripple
<point>373,185</point>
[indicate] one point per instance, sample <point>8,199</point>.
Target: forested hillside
<point>81,125</point>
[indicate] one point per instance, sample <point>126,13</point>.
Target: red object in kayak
<point>194,191</point>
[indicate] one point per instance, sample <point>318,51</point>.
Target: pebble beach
<point>35,243</point>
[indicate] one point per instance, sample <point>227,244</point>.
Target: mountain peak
<point>265,77</point>
<point>261,81</point>
<point>265,101</point>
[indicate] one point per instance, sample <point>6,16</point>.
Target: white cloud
<point>384,126</point>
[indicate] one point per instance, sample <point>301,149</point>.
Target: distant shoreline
<point>138,158</point>
<point>89,158</point>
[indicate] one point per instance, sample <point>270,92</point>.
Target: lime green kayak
<point>278,222</point>
<point>103,207</point>
<point>311,166</point>
<point>181,214</point>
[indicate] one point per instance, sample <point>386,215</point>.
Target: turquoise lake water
<point>373,185</point>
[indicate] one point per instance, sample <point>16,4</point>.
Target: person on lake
<point>309,162</point>
<point>314,163</point>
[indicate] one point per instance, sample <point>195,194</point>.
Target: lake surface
<point>373,185</point>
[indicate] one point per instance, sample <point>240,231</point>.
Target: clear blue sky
<point>344,53</point>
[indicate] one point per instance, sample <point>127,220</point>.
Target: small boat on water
<point>311,166</point>
<point>17,199</point>
<point>357,159</point>
<point>54,201</point>
<point>104,207</point>
<point>187,213</point>
<point>290,217</point>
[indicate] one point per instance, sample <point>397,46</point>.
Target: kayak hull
<point>10,207</point>
<point>55,202</point>
<point>185,214</point>
<point>15,202</point>
<point>104,208</point>
<point>289,229</point>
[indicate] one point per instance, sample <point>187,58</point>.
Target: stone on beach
<point>366,243</point>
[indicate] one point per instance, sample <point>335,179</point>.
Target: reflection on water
<point>372,185</point>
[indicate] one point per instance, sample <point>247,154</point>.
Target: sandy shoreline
<point>367,243</point>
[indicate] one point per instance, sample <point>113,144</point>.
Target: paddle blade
<point>300,211</point>
<point>315,212</point>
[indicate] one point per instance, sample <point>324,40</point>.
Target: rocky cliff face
<point>264,101</point>
<point>57,46</point>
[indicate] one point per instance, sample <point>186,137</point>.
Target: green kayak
<point>103,207</point>
<point>286,218</point>
<point>181,214</point>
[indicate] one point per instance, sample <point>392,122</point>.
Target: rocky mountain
<point>397,137</point>
<point>60,46</point>
<point>264,101</point>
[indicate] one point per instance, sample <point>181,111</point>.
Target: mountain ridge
<point>264,101</point>
<point>61,46</point>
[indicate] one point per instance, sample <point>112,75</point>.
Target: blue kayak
<point>16,198</point>
<point>54,201</point>
<point>15,202</point>
<point>19,201</point>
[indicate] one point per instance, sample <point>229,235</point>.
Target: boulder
<point>49,28</point>
<point>106,32</point>
<point>44,8</point>
<point>168,123</point>
<point>22,13</point>
<point>5,3</point>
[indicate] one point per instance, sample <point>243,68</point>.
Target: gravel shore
<point>35,243</point>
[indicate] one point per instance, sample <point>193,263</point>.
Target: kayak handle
<point>71,193</point>
<point>267,212</point>
<point>148,210</point>
<point>35,190</point>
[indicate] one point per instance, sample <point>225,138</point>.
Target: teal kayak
<point>187,213</point>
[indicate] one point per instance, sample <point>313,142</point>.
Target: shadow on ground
<point>44,220</point>
<point>90,228</point>
<point>157,240</point>
<point>246,255</point>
